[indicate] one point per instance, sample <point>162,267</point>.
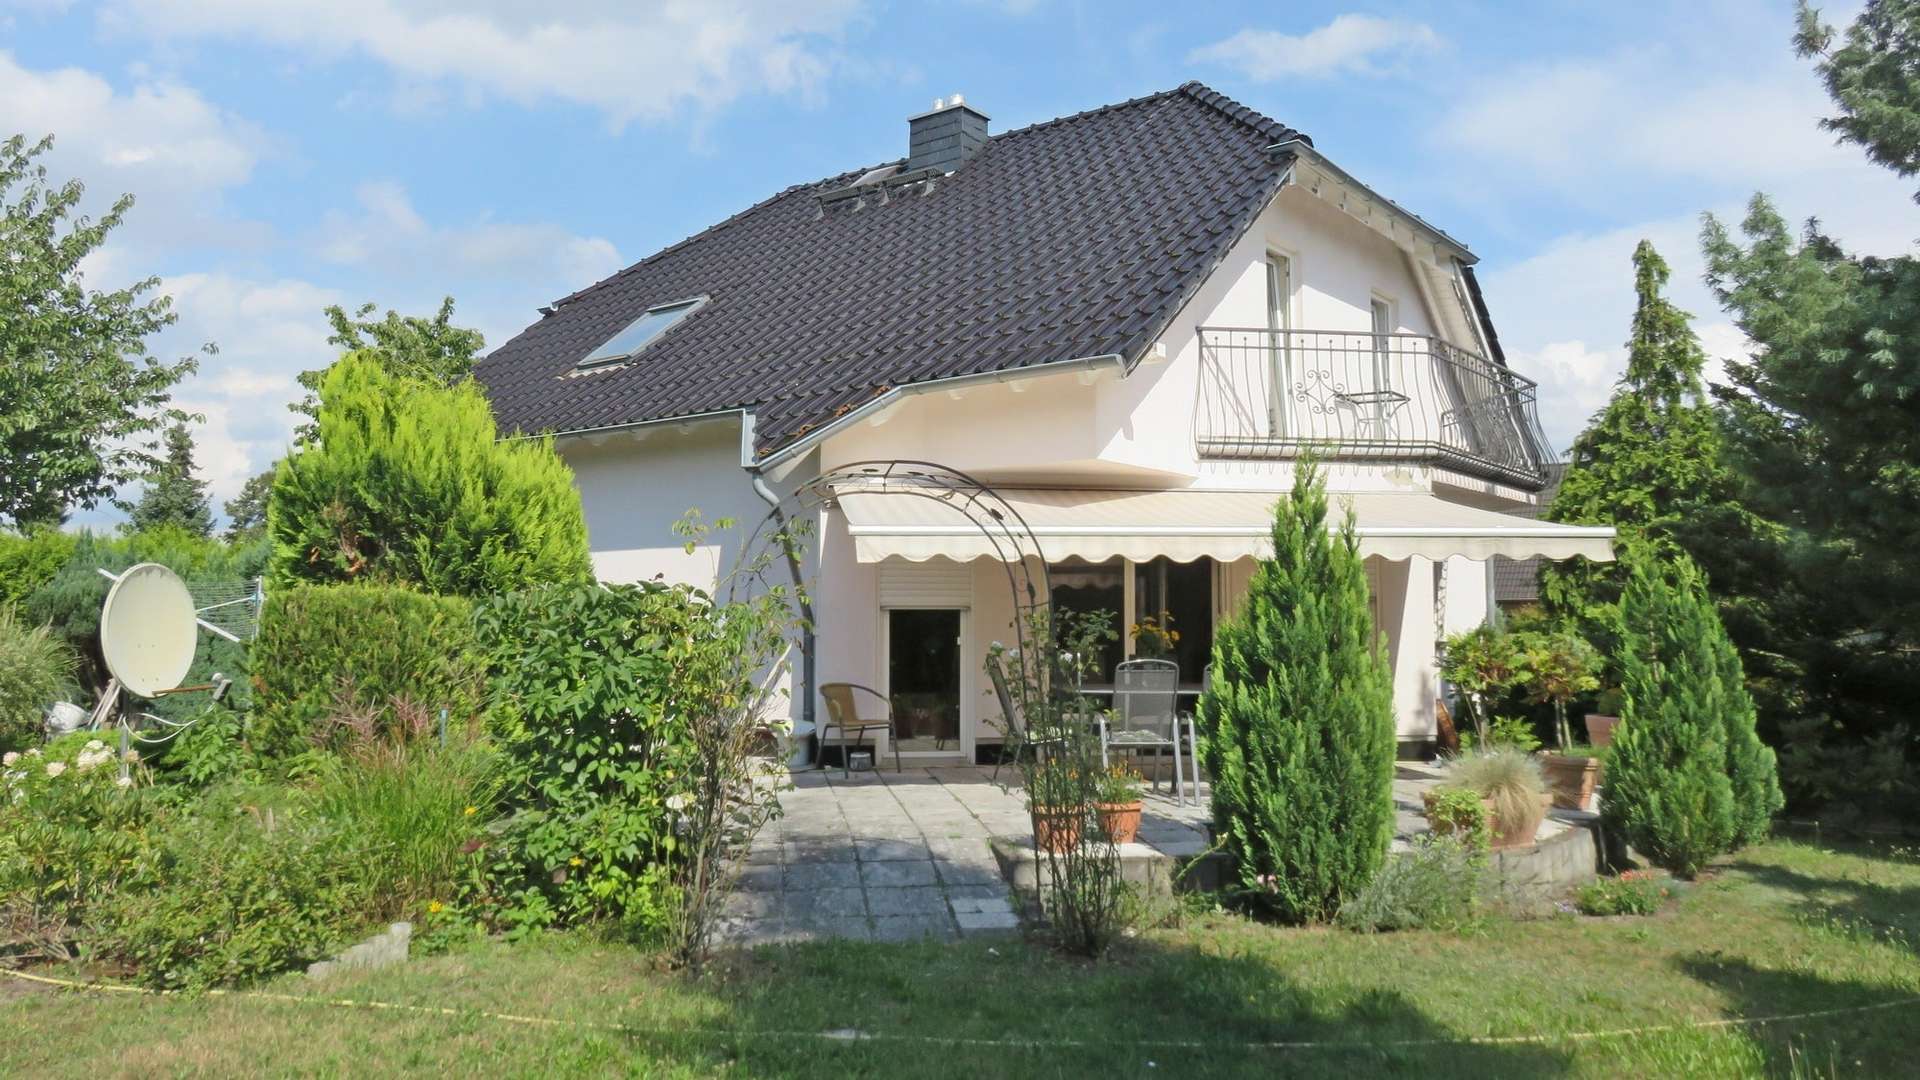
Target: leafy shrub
<point>250,882</point>
<point>367,651</point>
<point>213,750</point>
<point>70,834</point>
<point>1439,884</point>
<point>1668,789</point>
<point>1458,812</point>
<point>582,684</point>
<point>34,667</point>
<point>29,560</point>
<point>1510,779</point>
<point>1504,732</point>
<point>406,481</point>
<point>1632,893</point>
<point>1299,723</point>
<point>414,808</point>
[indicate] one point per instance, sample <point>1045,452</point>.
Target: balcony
<point>1358,396</point>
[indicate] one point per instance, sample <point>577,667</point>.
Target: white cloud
<point>1350,44</point>
<point>1638,131</point>
<point>170,146</point>
<point>386,233</point>
<point>629,60</point>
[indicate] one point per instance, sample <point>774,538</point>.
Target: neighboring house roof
<point>1517,581</point>
<point>1075,238</point>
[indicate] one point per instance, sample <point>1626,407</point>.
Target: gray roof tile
<point>1077,237</point>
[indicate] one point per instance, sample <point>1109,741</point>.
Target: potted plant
<point>1561,666</point>
<point>1479,663</point>
<point>1154,637</point>
<point>1118,803</point>
<point>1457,811</point>
<point>1510,785</point>
<point>1058,806</point>
<point>1600,724</point>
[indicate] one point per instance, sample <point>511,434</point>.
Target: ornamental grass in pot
<point>1510,785</point>
<point>1117,802</point>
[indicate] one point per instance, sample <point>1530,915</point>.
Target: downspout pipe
<point>767,495</point>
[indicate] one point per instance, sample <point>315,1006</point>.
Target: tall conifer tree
<point>1300,729</point>
<point>174,496</point>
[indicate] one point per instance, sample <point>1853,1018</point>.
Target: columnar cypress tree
<point>1668,791</point>
<point>1750,762</point>
<point>1299,723</point>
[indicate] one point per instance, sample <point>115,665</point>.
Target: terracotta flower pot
<point>1600,728</point>
<point>1056,829</point>
<point>1513,836</point>
<point>1120,821</point>
<point>1571,779</point>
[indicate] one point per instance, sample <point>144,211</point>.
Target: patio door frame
<point>967,687</point>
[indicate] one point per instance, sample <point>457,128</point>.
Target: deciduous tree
<point>79,395</point>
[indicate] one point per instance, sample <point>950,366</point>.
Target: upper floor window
<point>642,332</point>
<point>1382,316</point>
<point>1279,291</point>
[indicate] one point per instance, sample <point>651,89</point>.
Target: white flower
<point>10,758</point>
<point>55,768</point>
<point>131,755</point>
<point>125,781</point>
<point>678,802</point>
<point>94,744</point>
<point>35,752</point>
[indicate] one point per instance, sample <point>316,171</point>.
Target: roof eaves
<point>1304,148</point>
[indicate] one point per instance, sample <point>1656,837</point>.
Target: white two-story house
<point>1130,324</point>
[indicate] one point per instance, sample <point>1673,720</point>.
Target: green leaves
<point>78,394</point>
<point>406,481</point>
<point>1299,725</point>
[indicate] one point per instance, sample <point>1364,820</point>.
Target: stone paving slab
<point>896,856</point>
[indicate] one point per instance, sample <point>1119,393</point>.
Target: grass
<point>1784,928</point>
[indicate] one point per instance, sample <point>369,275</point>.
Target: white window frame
<point>594,360</point>
<point>1281,312</point>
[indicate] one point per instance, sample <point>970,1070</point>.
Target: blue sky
<point>288,154</point>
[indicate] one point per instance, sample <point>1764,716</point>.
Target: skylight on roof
<point>642,332</point>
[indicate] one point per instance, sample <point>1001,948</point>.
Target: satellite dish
<point>147,630</point>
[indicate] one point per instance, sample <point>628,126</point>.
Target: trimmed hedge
<point>382,654</point>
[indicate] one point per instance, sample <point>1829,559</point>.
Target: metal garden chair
<point>1145,715</point>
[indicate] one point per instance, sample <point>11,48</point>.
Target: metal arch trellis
<point>1005,530</point>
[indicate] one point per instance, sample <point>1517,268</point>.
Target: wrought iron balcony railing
<point>1346,395</point>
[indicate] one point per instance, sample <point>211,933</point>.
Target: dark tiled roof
<point>1077,237</point>
<point>1517,581</point>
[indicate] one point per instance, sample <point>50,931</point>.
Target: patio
<point>884,855</point>
<point>891,856</point>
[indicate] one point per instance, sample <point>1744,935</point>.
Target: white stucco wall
<point>635,487</point>
<point>1075,428</point>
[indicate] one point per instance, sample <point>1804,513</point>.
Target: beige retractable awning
<point>1186,525</point>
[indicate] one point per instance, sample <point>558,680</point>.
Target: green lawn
<point>1786,928</point>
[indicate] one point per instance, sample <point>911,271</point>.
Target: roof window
<point>641,332</point>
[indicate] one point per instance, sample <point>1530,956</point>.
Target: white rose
<point>55,768</point>
<point>10,758</point>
